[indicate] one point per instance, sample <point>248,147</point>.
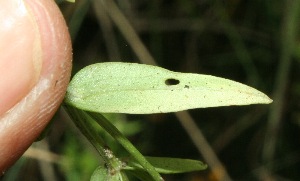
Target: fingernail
<point>20,58</point>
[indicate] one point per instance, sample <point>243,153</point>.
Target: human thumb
<point>35,66</point>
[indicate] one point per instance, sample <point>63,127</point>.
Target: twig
<point>128,32</point>
<point>46,167</point>
<point>108,34</point>
<point>43,155</point>
<point>287,47</point>
<point>203,146</point>
<point>234,131</point>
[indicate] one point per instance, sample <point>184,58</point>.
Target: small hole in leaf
<point>172,82</point>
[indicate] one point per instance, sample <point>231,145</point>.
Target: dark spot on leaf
<point>172,82</point>
<point>186,86</point>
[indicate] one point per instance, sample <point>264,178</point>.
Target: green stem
<point>82,120</point>
<point>116,134</point>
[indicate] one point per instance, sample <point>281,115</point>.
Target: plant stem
<point>116,134</point>
<point>82,121</point>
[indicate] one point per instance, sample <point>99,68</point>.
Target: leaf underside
<point>117,87</point>
<point>166,165</point>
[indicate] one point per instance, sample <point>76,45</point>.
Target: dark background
<point>250,41</point>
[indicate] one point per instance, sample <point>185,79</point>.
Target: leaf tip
<point>269,100</point>
<point>266,100</point>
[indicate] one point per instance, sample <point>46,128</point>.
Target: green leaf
<point>116,87</point>
<point>165,165</point>
<point>102,174</point>
<point>140,174</point>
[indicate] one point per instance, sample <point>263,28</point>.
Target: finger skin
<point>20,57</point>
<point>23,123</point>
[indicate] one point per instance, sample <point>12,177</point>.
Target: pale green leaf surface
<point>102,174</point>
<point>172,165</point>
<point>116,87</point>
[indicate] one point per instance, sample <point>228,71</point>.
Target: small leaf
<point>116,87</point>
<point>100,174</point>
<point>165,165</point>
<point>140,174</point>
